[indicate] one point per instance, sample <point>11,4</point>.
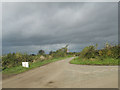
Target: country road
<point>61,74</point>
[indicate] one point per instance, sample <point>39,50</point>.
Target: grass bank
<point>105,61</point>
<point>20,69</point>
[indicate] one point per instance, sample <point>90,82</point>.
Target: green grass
<point>106,61</point>
<point>20,69</point>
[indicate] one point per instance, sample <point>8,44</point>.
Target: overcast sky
<point>29,27</point>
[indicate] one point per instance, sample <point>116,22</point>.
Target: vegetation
<point>109,55</point>
<point>11,63</point>
<point>19,69</point>
<point>41,52</point>
<point>106,61</point>
<point>60,52</point>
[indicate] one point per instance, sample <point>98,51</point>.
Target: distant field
<point>105,61</point>
<point>20,69</point>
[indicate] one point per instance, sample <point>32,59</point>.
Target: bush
<point>12,59</point>
<point>108,51</point>
<point>88,52</point>
<point>15,59</point>
<point>60,52</point>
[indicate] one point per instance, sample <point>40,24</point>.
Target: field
<point>105,61</point>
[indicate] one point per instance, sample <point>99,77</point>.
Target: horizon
<point>53,50</point>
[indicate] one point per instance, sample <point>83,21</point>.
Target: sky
<point>32,26</point>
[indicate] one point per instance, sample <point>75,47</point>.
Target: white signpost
<point>25,64</point>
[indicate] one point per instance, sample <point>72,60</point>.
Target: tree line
<point>89,52</point>
<point>15,59</point>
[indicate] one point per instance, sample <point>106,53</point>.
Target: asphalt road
<point>61,74</point>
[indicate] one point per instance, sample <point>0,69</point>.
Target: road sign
<point>25,64</point>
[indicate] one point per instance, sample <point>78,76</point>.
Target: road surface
<point>61,74</point>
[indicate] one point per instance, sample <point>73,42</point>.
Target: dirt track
<point>61,74</point>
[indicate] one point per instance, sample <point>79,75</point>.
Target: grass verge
<point>106,61</point>
<point>20,69</point>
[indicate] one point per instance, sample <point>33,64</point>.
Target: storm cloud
<point>29,27</point>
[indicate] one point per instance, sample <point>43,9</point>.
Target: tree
<point>51,52</point>
<point>88,52</point>
<point>41,52</point>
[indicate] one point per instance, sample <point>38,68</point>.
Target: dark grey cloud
<point>33,26</point>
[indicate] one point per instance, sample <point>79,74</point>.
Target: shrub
<point>88,52</point>
<point>107,51</point>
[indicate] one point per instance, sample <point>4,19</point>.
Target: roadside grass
<point>105,61</point>
<point>20,69</point>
